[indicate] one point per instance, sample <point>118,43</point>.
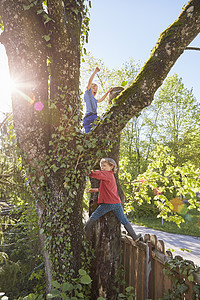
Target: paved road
<point>175,241</point>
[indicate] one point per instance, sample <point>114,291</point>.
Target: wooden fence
<point>143,264</point>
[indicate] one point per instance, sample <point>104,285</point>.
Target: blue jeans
<point>88,122</point>
<point>116,208</point>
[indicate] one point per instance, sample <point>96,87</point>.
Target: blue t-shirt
<point>91,102</point>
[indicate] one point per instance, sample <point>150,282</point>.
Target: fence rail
<point>143,264</point>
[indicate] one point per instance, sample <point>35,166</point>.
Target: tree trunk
<point>107,246</point>
<point>46,118</point>
<point>57,179</point>
<point>106,243</point>
<point>106,239</point>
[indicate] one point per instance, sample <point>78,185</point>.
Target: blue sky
<point>129,28</point>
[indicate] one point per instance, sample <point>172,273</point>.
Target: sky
<point>120,30</point>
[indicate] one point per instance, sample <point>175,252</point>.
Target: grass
<point>191,226</point>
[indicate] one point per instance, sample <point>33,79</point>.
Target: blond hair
<point>111,162</point>
<point>94,84</point>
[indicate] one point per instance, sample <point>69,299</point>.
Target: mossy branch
<point>171,44</point>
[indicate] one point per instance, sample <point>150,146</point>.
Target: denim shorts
<point>116,208</point>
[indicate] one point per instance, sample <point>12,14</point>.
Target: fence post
<point>143,265</point>
<point>149,270</point>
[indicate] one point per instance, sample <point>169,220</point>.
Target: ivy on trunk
<point>43,48</point>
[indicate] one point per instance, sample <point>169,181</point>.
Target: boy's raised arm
<point>92,77</point>
<point>104,96</point>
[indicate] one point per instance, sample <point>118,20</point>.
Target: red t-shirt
<point>108,188</point>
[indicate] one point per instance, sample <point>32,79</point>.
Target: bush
<point>22,247</point>
<point>144,210</point>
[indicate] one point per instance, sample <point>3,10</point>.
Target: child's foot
<point>138,237</point>
<point>132,233</point>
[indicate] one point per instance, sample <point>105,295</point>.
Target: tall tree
<point>172,120</point>
<point>57,153</point>
<point>178,116</point>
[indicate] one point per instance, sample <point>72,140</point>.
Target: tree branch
<point>169,47</point>
<point>192,48</point>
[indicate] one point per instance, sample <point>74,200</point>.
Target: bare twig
<point>193,48</point>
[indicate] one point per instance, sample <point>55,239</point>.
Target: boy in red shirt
<point>108,199</point>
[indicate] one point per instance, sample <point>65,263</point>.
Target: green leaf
<point>63,165</point>
<point>39,11</point>
<point>82,272</point>
<point>86,279</point>
<point>55,169</point>
<point>196,289</point>
<point>66,286</point>
<point>182,287</point>
<point>64,296</point>
<point>29,297</point>
<point>46,37</point>
<point>41,179</point>
<point>55,292</point>
<point>55,284</point>
<point>129,289</point>
<point>80,148</point>
<point>191,277</point>
<point>124,83</point>
<point>80,295</point>
<point>26,7</point>
<point>47,19</point>
<point>60,128</point>
<point>121,295</point>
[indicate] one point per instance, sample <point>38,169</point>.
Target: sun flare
<point>6,86</point>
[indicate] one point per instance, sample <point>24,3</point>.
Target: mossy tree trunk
<point>45,108</point>
<point>44,56</point>
<point>106,240</point>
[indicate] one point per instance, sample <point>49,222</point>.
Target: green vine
<point>181,272</point>
<point>62,166</point>
<point>74,7</point>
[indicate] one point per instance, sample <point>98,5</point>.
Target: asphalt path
<point>175,242</point>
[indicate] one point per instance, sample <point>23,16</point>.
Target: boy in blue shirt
<point>91,102</point>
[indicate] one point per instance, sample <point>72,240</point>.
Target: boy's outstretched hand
<point>94,190</point>
<point>97,69</point>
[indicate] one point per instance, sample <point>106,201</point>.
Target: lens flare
<point>178,205</point>
<point>38,106</point>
